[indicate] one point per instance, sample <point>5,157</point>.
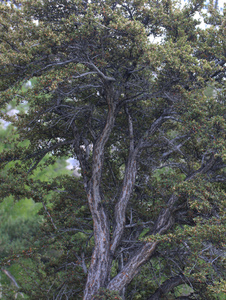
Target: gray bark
<point>100,262</point>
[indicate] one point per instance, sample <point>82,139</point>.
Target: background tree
<point>149,140</point>
<point>20,222</point>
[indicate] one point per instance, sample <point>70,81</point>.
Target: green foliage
<point>21,217</point>
<point>154,112</point>
<point>19,223</point>
<point>104,294</point>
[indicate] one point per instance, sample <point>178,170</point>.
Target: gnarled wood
<point>100,262</point>
<point>132,267</point>
<point>163,223</point>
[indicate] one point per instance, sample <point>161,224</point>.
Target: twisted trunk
<point>99,271</point>
<point>100,262</point>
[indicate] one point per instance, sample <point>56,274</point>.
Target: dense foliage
<point>135,91</point>
<point>20,217</point>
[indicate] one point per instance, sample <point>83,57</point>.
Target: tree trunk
<point>99,271</point>
<point>100,263</point>
<point>99,268</point>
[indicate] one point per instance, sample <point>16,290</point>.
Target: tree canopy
<point>135,91</point>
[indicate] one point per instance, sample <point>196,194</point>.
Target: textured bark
<point>163,223</point>
<point>100,262</point>
<point>120,209</point>
<point>127,188</point>
<point>103,63</point>
<point>132,267</point>
<point>99,271</point>
<point>129,179</point>
<point>165,218</point>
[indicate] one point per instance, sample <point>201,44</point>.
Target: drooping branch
<point>167,286</point>
<point>144,141</point>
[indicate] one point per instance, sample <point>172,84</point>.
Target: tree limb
<point>126,190</point>
<point>167,286</point>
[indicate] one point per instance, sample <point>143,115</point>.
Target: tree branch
<point>106,78</point>
<point>129,177</point>
<point>163,223</point>
<point>131,269</point>
<point>167,286</point>
<point>127,188</point>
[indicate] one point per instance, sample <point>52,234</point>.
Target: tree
<point>20,222</point>
<point>136,114</point>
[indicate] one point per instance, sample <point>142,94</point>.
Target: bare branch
<point>175,148</point>
<point>48,214</point>
<point>130,123</point>
<point>106,78</point>
<point>53,64</point>
<point>151,131</point>
<point>10,276</point>
<point>139,224</point>
<point>83,75</point>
